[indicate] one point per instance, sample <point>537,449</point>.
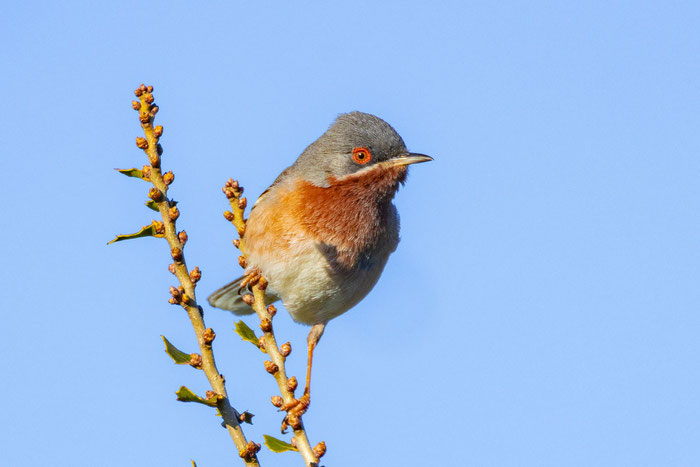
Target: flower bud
<point>286,349</point>
<point>271,367</point>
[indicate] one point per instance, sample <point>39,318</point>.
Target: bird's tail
<point>228,298</point>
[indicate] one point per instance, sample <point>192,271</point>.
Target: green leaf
<point>176,354</point>
<point>185,395</point>
<point>247,417</point>
<point>277,445</point>
<point>146,231</point>
<point>136,173</point>
<point>246,333</point>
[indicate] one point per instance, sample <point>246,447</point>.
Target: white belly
<point>310,290</point>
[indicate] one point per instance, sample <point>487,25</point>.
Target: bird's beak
<point>408,159</point>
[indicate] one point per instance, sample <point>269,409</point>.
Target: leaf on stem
<point>136,173</point>
<point>247,417</point>
<point>146,231</point>
<point>277,445</point>
<point>246,333</point>
<point>176,354</point>
<point>152,205</point>
<point>185,395</point>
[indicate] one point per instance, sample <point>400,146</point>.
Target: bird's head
<point>356,144</point>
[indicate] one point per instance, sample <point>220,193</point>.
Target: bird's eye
<point>361,155</point>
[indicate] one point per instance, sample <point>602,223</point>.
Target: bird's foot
<point>250,280</point>
<point>295,409</point>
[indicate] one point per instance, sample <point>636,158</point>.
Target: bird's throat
<point>353,213</point>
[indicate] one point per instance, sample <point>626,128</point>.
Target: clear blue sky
<point>541,310</point>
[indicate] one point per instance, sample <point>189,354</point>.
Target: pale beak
<point>408,159</point>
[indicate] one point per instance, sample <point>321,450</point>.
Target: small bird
<point>322,233</point>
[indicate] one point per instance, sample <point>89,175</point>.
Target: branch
<point>185,294</point>
<point>276,365</point>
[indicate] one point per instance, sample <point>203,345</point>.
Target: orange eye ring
<point>361,155</point>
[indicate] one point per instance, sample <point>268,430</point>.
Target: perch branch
<point>294,407</point>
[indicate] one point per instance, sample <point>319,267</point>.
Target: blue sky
<point>542,307</point>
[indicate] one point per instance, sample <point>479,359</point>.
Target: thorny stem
<point>265,314</point>
<point>230,416</point>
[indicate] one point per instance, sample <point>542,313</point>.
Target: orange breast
<point>350,216</point>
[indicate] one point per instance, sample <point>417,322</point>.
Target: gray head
<point>355,141</point>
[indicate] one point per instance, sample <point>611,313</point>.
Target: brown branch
<point>276,365</point>
<point>185,294</point>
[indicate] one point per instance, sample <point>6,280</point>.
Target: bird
<point>322,233</point>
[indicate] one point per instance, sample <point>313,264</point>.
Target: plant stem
<point>233,192</point>
<point>216,380</point>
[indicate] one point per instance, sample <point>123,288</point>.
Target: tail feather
<point>228,298</point>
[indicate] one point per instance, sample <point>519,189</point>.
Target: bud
<point>229,215</point>
<point>146,169</point>
<point>272,309</point>
<point>168,177</point>
<point>195,275</point>
<point>173,213</point>
<point>271,367</point>
<point>320,450</point>
<point>242,203</point>
<point>155,194</point>
<point>142,143</point>
<point>248,299</point>
<point>286,349</point>
<point>208,335</point>
<point>237,243</point>
<point>176,296</point>
<point>262,283</point>
<point>242,261</point>
<point>196,360</point>
<point>277,401</point>
<point>158,228</point>
<point>261,343</point>
<point>182,236</point>
<point>158,131</point>
<point>171,268</point>
<point>136,105</point>
<point>266,325</point>
<point>176,253</point>
<point>210,395</point>
<point>292,384</point>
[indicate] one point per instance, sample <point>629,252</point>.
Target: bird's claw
<point>295,409</point>
<point>249,281</point>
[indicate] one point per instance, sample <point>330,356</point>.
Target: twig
<point>276,365</point>
<point>186,295</point>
